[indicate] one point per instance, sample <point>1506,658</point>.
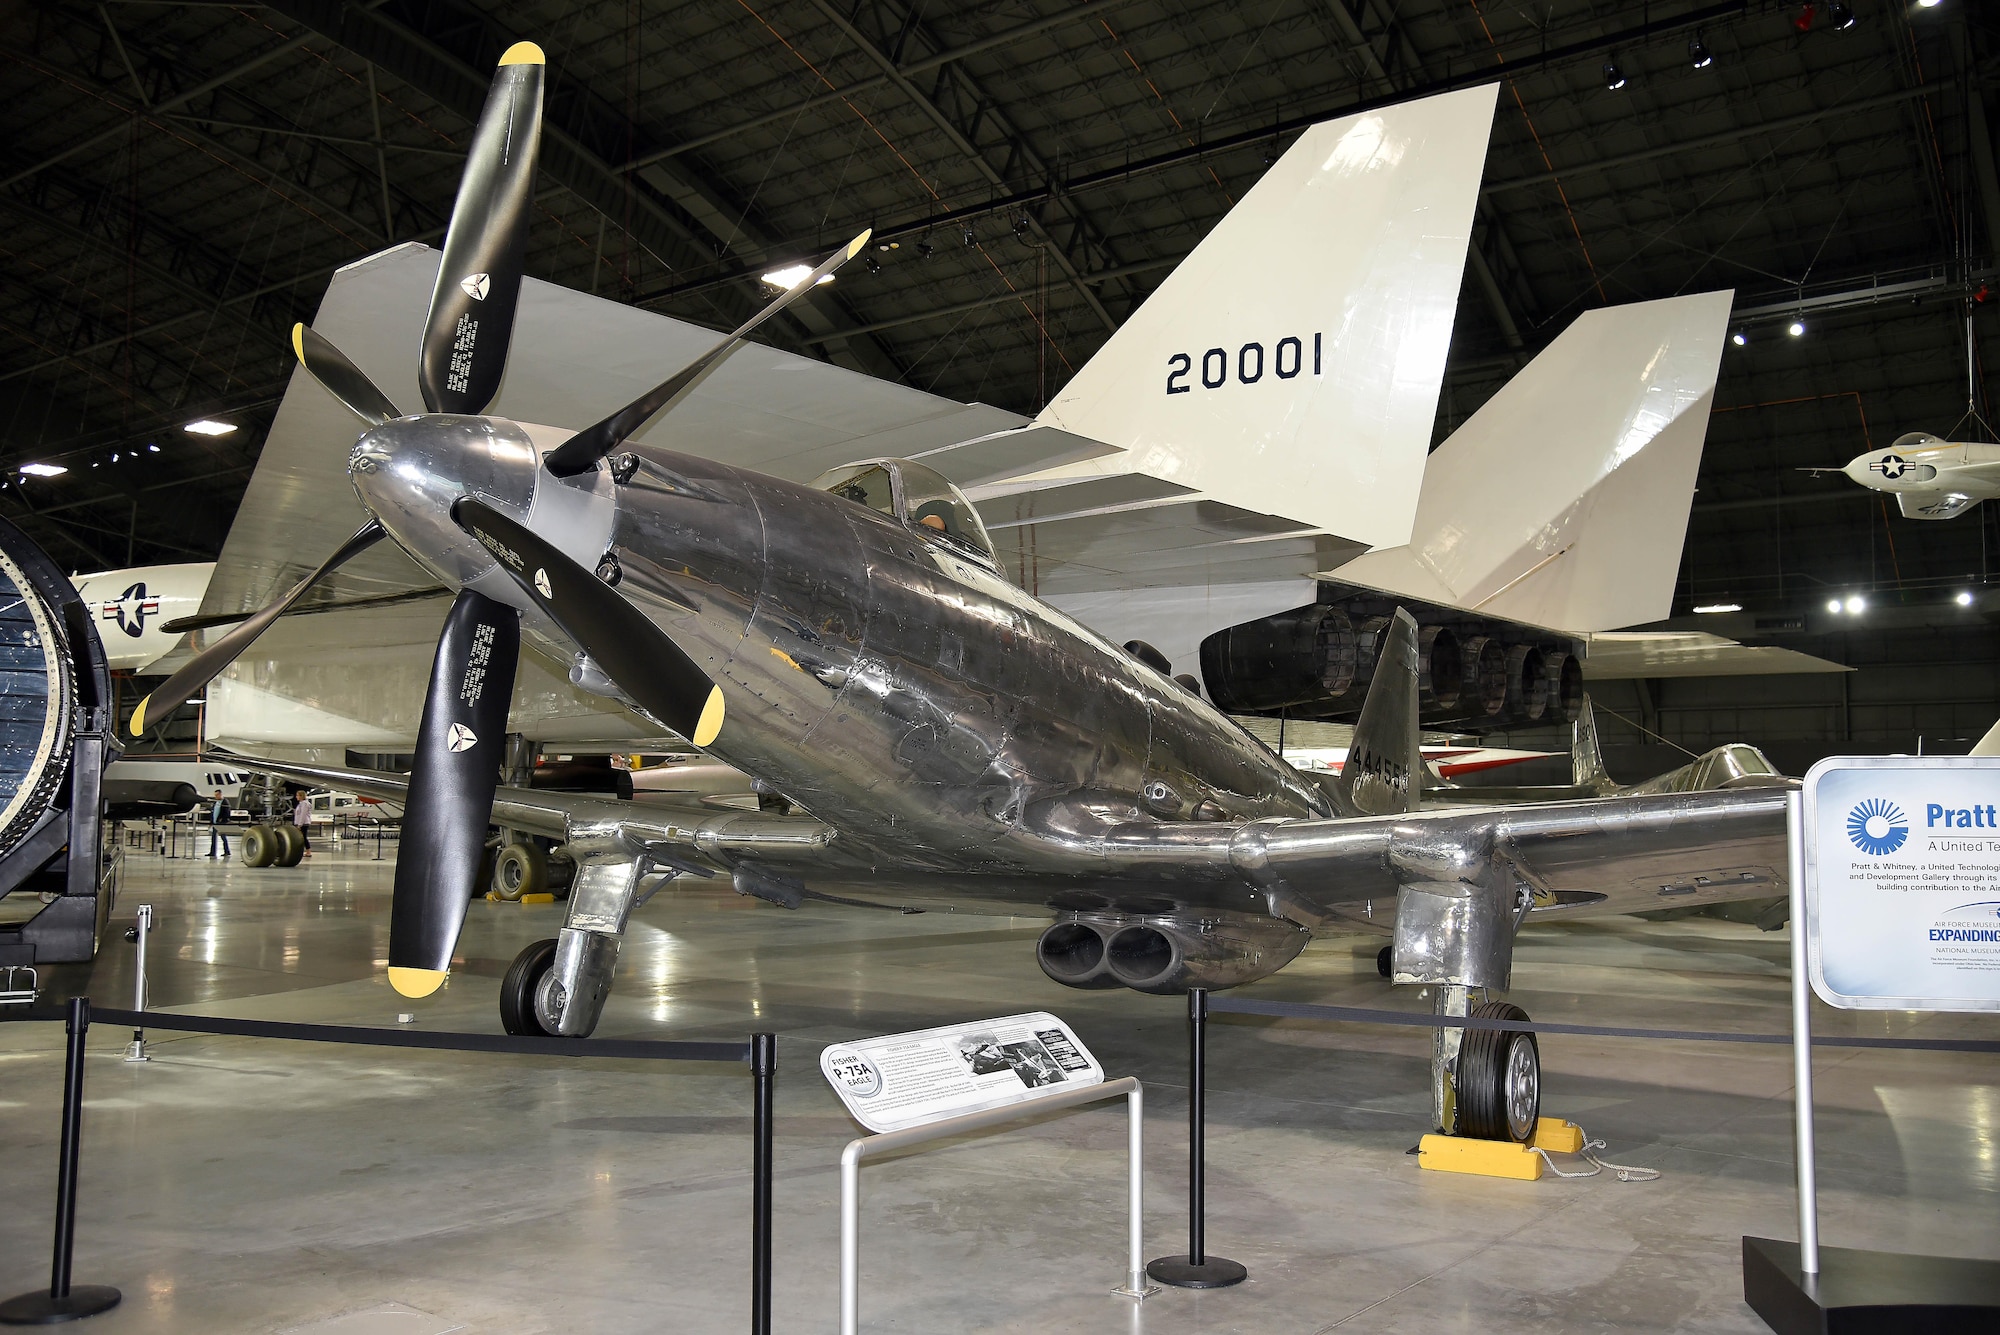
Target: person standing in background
<point>218,816</point>
<point>302,816</point>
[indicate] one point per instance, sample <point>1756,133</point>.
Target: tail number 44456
<point>1284,360</point>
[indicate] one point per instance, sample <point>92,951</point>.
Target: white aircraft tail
<point>1989,745</point>
<point>1291,364</point>
<point>1563,502</point>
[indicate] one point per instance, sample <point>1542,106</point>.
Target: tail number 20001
<point>1286,359</point>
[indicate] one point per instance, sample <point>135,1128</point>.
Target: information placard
<point>906,1080</point>
<point>1902,882</point>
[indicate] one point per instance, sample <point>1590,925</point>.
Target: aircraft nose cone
<point>409,472</point>
<point>1856,470</point>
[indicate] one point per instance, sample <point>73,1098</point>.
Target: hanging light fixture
<point>1698,55</point>
<point>1614,78</point>
<point>1840,15</point>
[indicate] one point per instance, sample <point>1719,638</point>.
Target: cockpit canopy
<point>915,496</point>
<point>1915,440</point>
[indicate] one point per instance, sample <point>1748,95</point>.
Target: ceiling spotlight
<point>43,470</point>
<point>791,276</point>
<point>970,237</point>
<point>1614,78</point>
<point>1855,605</point>
<point>874,265</point>
<point>1833,604</point>
<point>1720,607</point>
<point>923,250</point>
<point>1698,55</point>
<point>1929,4</point>
<point>152,449</point>
<point>1840,15</point>
<point>1964,598</point>
<point>1739,338</point>
<point>208,426</point>
<point>1796,328</point>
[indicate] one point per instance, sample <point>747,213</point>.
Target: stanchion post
<point>136,1051</point>
<point>764,1071</point>
<point>1197,1269</point>
<point>1805,1164</point>
<point>63,1302</point>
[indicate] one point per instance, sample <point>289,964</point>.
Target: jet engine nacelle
<point>1474,672</point>
<point>1166,955</point>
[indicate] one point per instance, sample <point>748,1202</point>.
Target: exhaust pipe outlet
<point>1440,669</point>
<point>1527,684</point>
<point>1565,687</point>
<point>1073,954</point>
<point>1166,956</point>
<point>1483,685</point>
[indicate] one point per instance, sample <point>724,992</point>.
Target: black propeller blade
<point>479,275</point>
<point>341,377</point>
<point>632,651</point>
<point>178,689</point>
<point>456,769</point>
<point>580,453</point>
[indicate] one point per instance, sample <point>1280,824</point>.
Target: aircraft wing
<point>1609,855</point>
<point>1934,504</point>
<point>718,839</point>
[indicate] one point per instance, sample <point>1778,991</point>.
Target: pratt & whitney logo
<point>1878,827</point>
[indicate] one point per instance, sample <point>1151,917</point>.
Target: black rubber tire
<point>517,989</point>
<point>521,868</point>
<point>1385,961</point>
<point>1485,1063</point>
<point>259,846</point>
<point>291,845</point>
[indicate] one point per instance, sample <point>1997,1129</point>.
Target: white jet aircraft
<point>1930,477</point>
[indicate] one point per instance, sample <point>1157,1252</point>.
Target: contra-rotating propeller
<point>463,356</point>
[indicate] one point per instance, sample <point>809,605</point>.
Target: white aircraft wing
<point>1934,504</point>
<point>1617,655</point>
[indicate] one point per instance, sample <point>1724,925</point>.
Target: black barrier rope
<point>1298,1010</point>
<point>63,1302</point>
<point>679,1050</point>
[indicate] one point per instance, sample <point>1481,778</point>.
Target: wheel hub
<point>1523,1089</point>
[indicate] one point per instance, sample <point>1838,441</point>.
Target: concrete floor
<point>253,1185</point>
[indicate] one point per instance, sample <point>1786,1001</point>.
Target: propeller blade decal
<point>580,453</point>
<point>479,274</point>
<point>457,768</point>
<point>178,689</point>
<point>341,377</point>
<point>629,648</point>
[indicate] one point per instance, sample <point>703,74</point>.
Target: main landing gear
<point>523,998</point>
<point>1486,1083</point>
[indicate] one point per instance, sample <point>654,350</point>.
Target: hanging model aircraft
<point>1931,478</point>
<point>936,732</point>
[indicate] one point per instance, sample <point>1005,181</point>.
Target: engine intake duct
<point>1166,955</point>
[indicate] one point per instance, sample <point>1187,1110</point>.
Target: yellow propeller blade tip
<point>416,983</point>
<point>854,246</point>
<point>710,722</point>
<point>522,53</point>
<point>299,342</point>
<point>139,718</point>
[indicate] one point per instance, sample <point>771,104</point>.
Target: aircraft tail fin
<point>1383,772</point>
<point>1563,502</point>
<point>1989,745</point>
<point>1291,364</point>
<point>1586,757</point>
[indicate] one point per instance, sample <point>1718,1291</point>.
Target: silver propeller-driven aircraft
<point>938,735</point>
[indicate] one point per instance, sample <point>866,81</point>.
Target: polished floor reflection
<point>253,1185</point>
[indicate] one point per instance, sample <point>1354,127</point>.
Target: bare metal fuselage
<point>957,733</point>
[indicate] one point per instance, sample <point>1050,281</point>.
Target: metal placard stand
<point>1128,1088</point>
<point>1804,1289</point>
